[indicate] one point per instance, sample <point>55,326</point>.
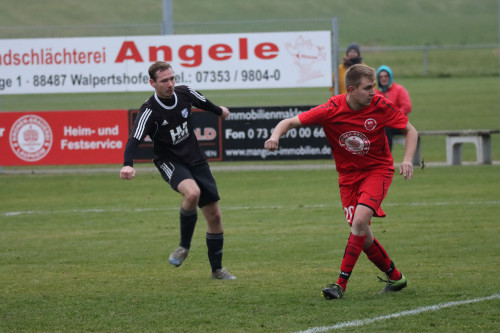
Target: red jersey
<point>357,137</point>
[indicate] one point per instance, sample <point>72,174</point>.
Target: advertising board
<point>63,137</point>
<point>208,62</point>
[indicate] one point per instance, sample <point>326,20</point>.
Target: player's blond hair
<point>158,66</point>
<point>355,73</point>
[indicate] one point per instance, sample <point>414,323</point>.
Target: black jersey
<point>169,124</point>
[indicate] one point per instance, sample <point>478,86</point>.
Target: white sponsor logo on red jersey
<point>355,142</point>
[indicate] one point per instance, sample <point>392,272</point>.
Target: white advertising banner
<point>212,61</point>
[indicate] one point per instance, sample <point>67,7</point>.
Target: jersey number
<point>349,213</point>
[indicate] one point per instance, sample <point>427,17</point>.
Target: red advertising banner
<point>63,137</point>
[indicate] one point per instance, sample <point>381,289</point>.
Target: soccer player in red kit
<point>354,126</point>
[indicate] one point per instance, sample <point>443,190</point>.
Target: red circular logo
<point>370,124</point>
<point>30,138</point>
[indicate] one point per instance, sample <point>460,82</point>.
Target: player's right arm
<point>127,171</point>
<point>281,129</point>
<point>139,132</point>
<point>316,115</point>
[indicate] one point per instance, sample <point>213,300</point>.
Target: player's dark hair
<point>355,73</point>
<point>158,66</point>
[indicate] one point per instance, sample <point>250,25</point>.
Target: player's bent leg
<point>190,194</point>
<point>213,216</point>
<point>361,222</point>
<point>188,216</point>
<point>360,230</point>
<point>215,241</point>
<point>380,258</point>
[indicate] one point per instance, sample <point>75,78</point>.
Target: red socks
<point>377,255</point>
<point>351,255</point>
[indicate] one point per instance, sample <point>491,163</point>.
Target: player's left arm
<point>204,103</point>
<point>406,167</point>
<point>225,112</point>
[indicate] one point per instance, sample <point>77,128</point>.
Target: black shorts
<point>174,173</point>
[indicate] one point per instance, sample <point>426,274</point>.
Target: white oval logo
<point>355,142</point>
<point>30,138</point>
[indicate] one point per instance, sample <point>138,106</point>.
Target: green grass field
<point>87,252</point>
<point>83,251</point>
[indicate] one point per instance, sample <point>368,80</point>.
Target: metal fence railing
<point>436,60</point>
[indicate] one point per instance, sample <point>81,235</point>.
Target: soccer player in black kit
<point>166,118</point>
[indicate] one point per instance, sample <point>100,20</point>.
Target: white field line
<point>363,322</point>
<point>140,210</point>
<point>142,168</point>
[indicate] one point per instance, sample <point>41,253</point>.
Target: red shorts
<point>367,188</point>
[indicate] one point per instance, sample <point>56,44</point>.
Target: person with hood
<point>352,57</point>
<point>395,93</point>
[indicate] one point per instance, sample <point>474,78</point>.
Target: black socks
<point>188,222</point>
<point>215,243</point>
